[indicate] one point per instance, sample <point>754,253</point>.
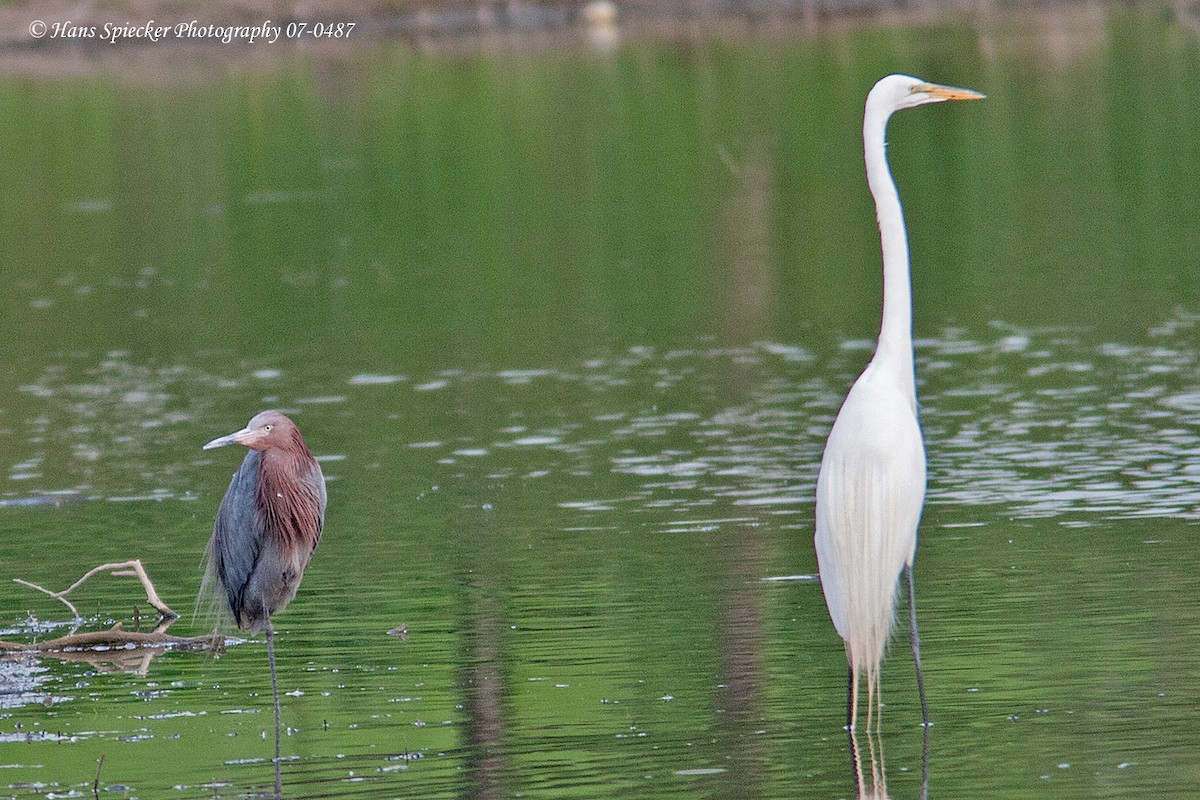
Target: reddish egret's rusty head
<point>266,430</point>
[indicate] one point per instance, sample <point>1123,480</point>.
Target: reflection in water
<point>482,664</point>
<point>870,780</point>
<point>745,293</point>
<point>111,650</point>
<point>134,660</point>
<point>483,685</point>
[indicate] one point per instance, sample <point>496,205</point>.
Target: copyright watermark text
<point>193,31</point>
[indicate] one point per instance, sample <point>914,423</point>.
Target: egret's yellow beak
<point>949,92</point>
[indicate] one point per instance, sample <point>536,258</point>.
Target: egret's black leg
<point>924,763</point>
<point>275,695</point>
<point>914,639</point>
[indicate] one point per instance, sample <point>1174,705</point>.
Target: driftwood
<point>124,650</point>
<point>122,569</point>
<point>117,637</point>
<point>114,649</point>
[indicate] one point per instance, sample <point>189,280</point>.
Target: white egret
<point>871,486</point>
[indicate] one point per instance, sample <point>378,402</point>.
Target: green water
<point>568,329</point>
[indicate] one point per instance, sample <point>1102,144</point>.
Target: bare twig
<point>120,570</point>
<point>56,595</point>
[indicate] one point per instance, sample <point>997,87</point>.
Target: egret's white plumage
<point>871,486</point>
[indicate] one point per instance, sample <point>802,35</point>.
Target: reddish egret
<point>871,486</point>
<point>267,528</point>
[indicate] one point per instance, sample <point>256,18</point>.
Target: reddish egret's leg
<point>275,695</point>
<point>914,639</point>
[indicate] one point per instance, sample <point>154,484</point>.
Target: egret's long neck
<point>895,349</point>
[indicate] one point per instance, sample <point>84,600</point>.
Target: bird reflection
<point>870,783</point>
<point>870,772</point>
